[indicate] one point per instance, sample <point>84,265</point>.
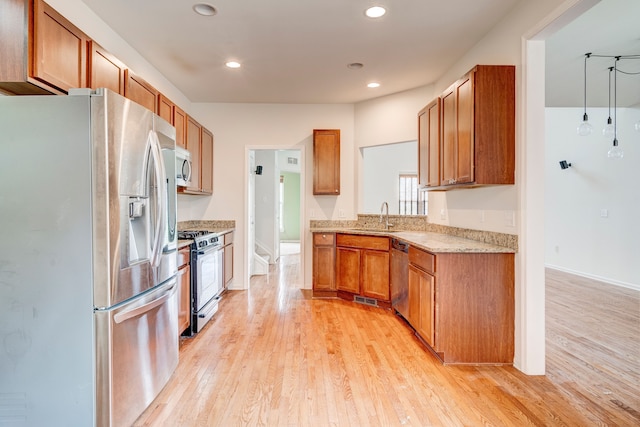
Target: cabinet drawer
<point>323,239</point>
<point>228,238</point>
<point>364,242</point>
<point>183,256</point>
<point>422,259</point>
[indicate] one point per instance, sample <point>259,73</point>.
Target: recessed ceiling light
<point>373,85</point>
<point>233,64</point>
<point>375,12</point>
<point>355,65</point>
<point>204,9</point>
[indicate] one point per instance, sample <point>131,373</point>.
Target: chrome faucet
<point>382,208</point>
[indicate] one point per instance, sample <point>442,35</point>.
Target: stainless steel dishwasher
<point>400,277</point>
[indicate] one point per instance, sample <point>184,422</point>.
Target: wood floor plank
<point>274,356</point>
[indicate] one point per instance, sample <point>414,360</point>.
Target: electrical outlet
<point>312,213</point>
<point>443,214</point>
<point>341,213</point>
<point>510,218</point>
<point>481,216</point>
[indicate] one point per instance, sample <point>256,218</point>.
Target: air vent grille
<point>292,160</point>
<point>366,301</point>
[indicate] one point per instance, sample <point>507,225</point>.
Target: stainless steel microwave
<point>183,167</point>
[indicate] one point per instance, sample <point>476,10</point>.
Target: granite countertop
<point>429,241</point>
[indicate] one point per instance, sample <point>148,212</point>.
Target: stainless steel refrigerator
<point>88,306</point>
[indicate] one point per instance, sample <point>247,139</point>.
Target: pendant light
<point>585,127</point>
<point>608,129</point>
<point>615,152</point>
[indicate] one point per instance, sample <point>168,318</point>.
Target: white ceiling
<point>297,51</point>
<point>611,27</point>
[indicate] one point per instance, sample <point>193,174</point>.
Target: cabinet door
<point>326,162</point>
<point>429,145</point>
<point>194,131</point>
<point>449,138</point>
<point>465,129</point>
<point>104,69</point>
<point>228,264</point>
<point>323,268</point>
<point>375,274</point>
<point>180,123</point>
<point>184,298</point>
<point>427,308</point>
<point>348,270</point>
<point>413,316</point>
<point>165,109</point>
<point>206,162</point>
<point>59,49</point>
<point>139,91</point>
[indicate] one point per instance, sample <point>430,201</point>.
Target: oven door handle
<point>208,251</point>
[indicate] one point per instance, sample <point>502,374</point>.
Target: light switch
<point>604,213</point>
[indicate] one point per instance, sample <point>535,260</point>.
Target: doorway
<point>275,193</point>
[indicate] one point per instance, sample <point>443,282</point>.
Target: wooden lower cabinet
<point>462,305</point>
<point>324,257</point>
<point>228,259</point>
<point>362,265</point>
<point>184,290</point>
<point>422,304</point>
<point>348,269</point>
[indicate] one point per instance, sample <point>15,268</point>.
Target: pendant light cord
<point>615,102</point>
<point>586,56</point>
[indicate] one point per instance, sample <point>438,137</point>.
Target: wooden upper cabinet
<point>175,116</point>
<point>206,162</point>
<point>429,145</point>
<point>139,91</point>
<point>40,51</point>
<point>477,130</point>
<point>180,123</point>
<point>194,137</point>
<point>166,109</point>
<point>326,162</point>
<point>200,144</point>
<point>104,69</point>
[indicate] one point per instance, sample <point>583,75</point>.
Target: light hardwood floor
<point>273,356</point>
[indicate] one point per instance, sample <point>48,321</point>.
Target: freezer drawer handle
<point>126,315</point>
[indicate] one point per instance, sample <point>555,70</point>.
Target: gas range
<point>207,275</point>
<point>203,239</point>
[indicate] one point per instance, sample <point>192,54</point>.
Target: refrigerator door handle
<point>158,163</point>
<point>129,314</point>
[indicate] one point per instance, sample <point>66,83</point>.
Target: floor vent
<point>366,301</point>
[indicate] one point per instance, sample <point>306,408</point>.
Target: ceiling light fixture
<point>608,129</point>
<point>375,11</point>
<point>611,128</point>
<point>233,64</point>
<point>204,9</point>
<point>373,85</point>
<point>585,127</point>
<point>355,65</point>
<point>615,152</point>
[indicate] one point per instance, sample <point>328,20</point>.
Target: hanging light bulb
<point>585,127</point>
<point>615,152</point>
<point>608,129</point>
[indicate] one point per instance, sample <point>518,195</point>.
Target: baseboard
<point>606,280</point>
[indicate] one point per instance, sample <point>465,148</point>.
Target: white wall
<point>382,165</point>
<point>579,238</point>
<point>240,127</point>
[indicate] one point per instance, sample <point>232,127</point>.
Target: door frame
<point>247,203</point>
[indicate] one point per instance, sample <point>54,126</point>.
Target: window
<point>411,201</point>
